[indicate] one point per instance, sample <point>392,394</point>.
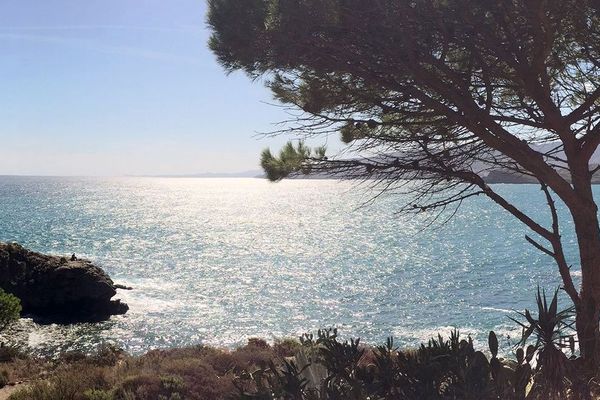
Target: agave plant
<point>552,327</point>
<point>552,331</point>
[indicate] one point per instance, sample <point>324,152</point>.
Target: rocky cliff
<point>56,289</point>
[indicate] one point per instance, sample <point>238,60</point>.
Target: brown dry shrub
<point>258,343</point>
<point>152,359</point>
<point>144,387</point>
<point>257,353</point>
<point>286,347</point>
<point>205,373</point>
<point>193,365</point>
<point>201,380</point>
<point>107,355</point>
<point>22,369</point>
<point>67,383</point>
<point>185,352</point>
<point>221,361</point>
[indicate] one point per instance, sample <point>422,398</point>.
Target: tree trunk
<point>588,313</point>
<point>585,217</point>
<point>588,309</point>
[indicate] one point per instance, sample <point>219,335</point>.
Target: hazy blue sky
<point>112,87</point>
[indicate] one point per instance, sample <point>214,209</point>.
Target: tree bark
<point>587,331</point>
<point>585,218</point>
<point>588,309</point>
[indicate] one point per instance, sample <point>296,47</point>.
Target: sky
<point>123,87</point>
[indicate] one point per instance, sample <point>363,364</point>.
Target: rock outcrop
<point>57,289</point>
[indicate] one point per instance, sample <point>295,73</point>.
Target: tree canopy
<point>438,93</point>
<point>442,90</point>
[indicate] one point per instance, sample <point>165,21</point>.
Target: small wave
<point>504,310</point>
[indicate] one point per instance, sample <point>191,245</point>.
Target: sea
<point>218,261</point>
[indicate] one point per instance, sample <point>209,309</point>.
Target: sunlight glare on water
<point>220,260</point>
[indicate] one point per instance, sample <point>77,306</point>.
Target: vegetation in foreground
<point>322,367</point>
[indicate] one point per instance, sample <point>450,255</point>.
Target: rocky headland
<point>58,289</point>
<point>505,176</point>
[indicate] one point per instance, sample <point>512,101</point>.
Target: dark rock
<point>54,289</point>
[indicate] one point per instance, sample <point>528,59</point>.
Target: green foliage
<point>551,328</point>
<point>327,368</point>
<point>552,331</point>
<point>173,384</point>
<point>440,369</point>
<point>95,394</point>
<point>10,309</point>
<point>291,159</point>
<point>250,14</point>
<point>286,347</point>
<point>351,61</point>
<point>352,131</point>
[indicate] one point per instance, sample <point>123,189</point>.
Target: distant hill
<point>500,176</point>
<point>497,176</point>
<point>503,176</point>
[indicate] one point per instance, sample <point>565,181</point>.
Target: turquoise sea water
<point>220,260</point>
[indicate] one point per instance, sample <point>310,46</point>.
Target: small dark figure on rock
<point>73,257</point>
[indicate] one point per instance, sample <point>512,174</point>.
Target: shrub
<point>258,343</point>
<point>200,380</point>
<point>221,361</point>
<point>172,383</point>
<point>286,347</point>
<point>96,394</point>
<point>144,387</point>
<point>38,391</point>
<point>4,379</point>
<point>324,367</point>
<point>10,352</point>
<point>107,355</point>
<point>68,382</point>
<point>10,309</point>
<point>256,353</point>
<point>329,369</point>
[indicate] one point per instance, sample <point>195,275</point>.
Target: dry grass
<point>194,373</point>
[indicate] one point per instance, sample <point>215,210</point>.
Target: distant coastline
<point>242,174</point>
<point>494,177</point>
<point>501,176</point>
